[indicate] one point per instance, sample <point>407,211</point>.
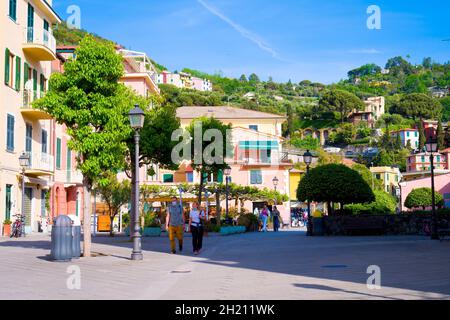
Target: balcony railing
<point>28,96</point>
<point>41,162</point>
<point>40,37</point>
<point>74,176</point>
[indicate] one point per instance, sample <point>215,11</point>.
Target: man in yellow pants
<point>175,224</point>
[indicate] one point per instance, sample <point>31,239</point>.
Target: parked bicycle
<point>17,227</point>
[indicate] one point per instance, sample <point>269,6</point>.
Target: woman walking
<point>264,217</point>
<point>196,219</point>
<point>276,219</point>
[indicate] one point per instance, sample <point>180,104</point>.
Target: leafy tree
<point>399,66</point>
<point>345,135</point>
<point>115,194</point>
<point>427,63</point>
<point>440,136</point>
<point>243,78</point>
<point>367,69</point>
<point>88,99</point>
<point>445,102</point>
<point>325,158</point>
<point>422,138</point>
<point>340,101</point>
<point>254,79</point>
<point>367,175</point>
<point>208,166</point>
<point>334,183</point>
<point>418,105</point>
<point>307,143</point>
<point>384,204</point>
<point>421,197</point>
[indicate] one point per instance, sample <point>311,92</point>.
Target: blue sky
<point>318,40</point>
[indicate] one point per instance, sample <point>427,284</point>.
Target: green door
<point>8,202</point>
<point>28,203</point>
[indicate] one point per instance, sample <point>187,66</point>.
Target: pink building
<point>442,185</point>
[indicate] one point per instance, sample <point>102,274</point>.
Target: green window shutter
<point>18,72</point>
<point>220,176</point>
<point>7,67</point>
<point>13,9</point>
<point>58,153</point>
<point>35,80</point>
<point>26,70</point>
<point>42,79</point>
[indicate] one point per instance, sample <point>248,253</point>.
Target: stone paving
<point>273,266</point>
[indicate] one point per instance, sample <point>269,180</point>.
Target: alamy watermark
<point>74,19</point>
<point>374,20</point>
<point>73,282</point>
<point>374,280</point>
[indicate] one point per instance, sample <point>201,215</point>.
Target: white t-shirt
<point>195,216</point>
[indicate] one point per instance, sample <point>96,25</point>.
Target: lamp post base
<point>137,256</point>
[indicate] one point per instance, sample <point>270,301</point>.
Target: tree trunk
<point>86,218</point>
<point>111,226</point>
<point>330,209</point>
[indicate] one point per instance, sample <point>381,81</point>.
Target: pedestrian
<point>276,219</point>
<point>264,216</point>
<point>196,220</point>
<point>174,224</point>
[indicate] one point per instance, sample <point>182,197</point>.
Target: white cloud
<point>242,31</point>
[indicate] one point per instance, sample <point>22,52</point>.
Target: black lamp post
<point>24,161</point>
<point>275,185</point>
<point>307,158</point>
<point>227,173</point>
<point>137,118</point>
<point>432,148</point>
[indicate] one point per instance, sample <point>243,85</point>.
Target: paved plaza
<point>284,265</point>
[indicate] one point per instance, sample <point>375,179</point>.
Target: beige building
<point>27,47</point>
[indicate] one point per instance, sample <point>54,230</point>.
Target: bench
<point>363,226</point>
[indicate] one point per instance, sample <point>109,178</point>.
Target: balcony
<point>27,110</point>
<point>139,65</point>
<point>41,164</point>
<point>74,177</point>
<point>39,44</point>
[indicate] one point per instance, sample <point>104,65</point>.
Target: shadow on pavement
<point>327,288</point>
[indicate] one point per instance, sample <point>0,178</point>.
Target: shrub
<point>421,198</point>
<point>7,222</point>
<point>384,204</point>
<point>210,227</point>
<point>248,220</point>
<point>151,220</point>
<point>125,220</point>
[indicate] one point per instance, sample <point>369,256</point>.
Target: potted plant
<point>152,225</point>
<point>7,228</point>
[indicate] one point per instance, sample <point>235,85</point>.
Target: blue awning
<point>258,145</point>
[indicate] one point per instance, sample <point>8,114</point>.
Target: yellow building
<point>390,176</point>
<point>294,179</point>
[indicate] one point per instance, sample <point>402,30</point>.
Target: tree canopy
<point>418,105</point>
<point>334,183</point>
<point>340,101</point>
<point>421,198</point>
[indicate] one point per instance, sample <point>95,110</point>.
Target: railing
<point>74,176</point>
<point>140,63</point>
<point>41,161</point>
<point>41,37</point>
<point>28,96</point>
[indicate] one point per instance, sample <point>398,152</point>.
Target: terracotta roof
<point>224,112</point>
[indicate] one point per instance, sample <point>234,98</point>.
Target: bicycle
<point>17,227</point>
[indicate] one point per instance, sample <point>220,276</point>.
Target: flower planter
<point>225,231</point>
<point>7,230</point>
<point>152,232</point>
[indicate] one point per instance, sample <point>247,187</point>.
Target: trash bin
<point>76,233</point>
<point>317,225</point>
<point>62,239</point>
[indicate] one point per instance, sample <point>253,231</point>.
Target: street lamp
<point>24,161</point>
<point>137,118</point>
<point>227,173</point>
<point>307,158</point>
<point>432,148</point>
<point>275,185</point>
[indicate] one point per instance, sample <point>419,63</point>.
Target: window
<point>30,23</point>
<point>407,134</point>
<point>8,202</point>
<point>378,176</point>
<point>58,153</point>
<point>256,177</point>
<point>423,159</point>
<point>43,82</point>
<point>189,177</point>
<point>9,68</point>
<point>438,158</point>
<point>253,127</point>
<point>10,133</point>
<point>44,141</point>
<point>168,178</point>
<point>416,134</point>
<point>13,9</point>
<point>265,156</point>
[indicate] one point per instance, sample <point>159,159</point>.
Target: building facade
<point>184,80</point>
<point>26,52</point>
<point>409,137</point>
<point>390,177</point>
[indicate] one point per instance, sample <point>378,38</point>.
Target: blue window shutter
<point>10,133</point>
<point>58,153</point>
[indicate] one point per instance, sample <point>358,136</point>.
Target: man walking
<point>174,224</point>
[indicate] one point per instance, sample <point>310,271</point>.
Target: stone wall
<point>403,224</point>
